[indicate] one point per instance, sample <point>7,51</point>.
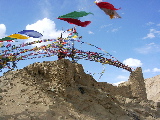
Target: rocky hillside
<point>153,88</point>
<point>61,90</point>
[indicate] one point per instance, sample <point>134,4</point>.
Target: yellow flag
<point>1,44</point>
<point>18,36</point>
<point>75,36</point>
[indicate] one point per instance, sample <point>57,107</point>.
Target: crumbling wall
<point>59,75</point>
<point>137,84</point>
<point>51,90</point>
<point>133,88</point>
<point>124,91</point>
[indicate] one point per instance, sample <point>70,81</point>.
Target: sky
<point>133,39</point>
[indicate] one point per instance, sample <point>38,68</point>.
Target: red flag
<point>76,21</point>
<point>109,9</point>
<point>106,5</point>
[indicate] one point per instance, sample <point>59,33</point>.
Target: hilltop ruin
<point>61,90</point>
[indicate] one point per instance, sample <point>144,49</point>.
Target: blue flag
<point>31,33</point>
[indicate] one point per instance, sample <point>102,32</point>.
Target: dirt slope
<point>60,90</point>
<point>153,88</point>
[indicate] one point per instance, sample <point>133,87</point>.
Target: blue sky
<point>134,39</point>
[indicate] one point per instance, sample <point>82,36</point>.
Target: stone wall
<point>63,73</point>
<point>137,84</point>
<point>133,88</point>
<point>59,75</point>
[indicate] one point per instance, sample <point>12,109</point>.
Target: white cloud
<point>152,34</point>
<point>98,1</point>
<point>46,27</point>
<point>156,70</point>
<point>116,84</point>
<point>2,30</point>
<point>121,77</point>
<point>149,48</point>
<point>90,32</point>
<point>150,23</point>
<point>147,70</point>
<point>114,51</point>
<point>152,70</point>
<point>132,62</point>
<point>149,35</point>
<point>155,31</point>
<point>114,30</point>
<point>158,24</point>
<point>123,70</point>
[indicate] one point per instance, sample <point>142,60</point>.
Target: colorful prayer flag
<point>73,17</point>
<point>18,36</point>
<point>76,22</point>
<point>7,39</point>
<point>31,33</point>
<point>108,8</point>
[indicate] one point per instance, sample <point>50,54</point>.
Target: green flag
<point>75,15</point>
<point>7,38</point>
